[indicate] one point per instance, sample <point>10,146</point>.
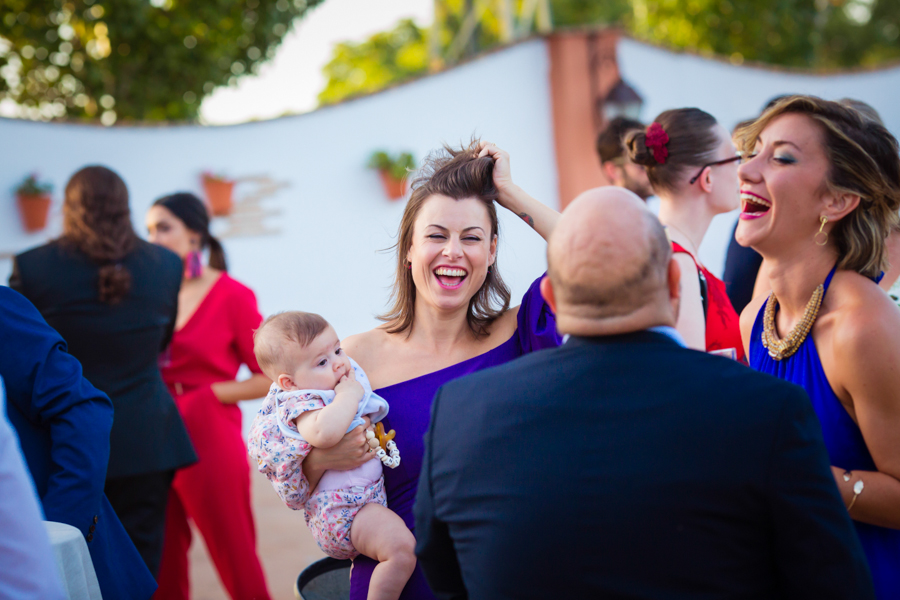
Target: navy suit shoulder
<point>546,366</point>
<point>63,425</point>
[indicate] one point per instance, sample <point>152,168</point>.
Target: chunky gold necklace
<point>784,348</point>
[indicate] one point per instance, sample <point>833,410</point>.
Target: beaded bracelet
<point>391,460</point>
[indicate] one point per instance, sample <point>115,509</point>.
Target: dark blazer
<point>118,346</point>
<point>63,425</point>
<point>630,467</point>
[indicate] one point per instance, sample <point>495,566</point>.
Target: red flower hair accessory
<point>657,138</point>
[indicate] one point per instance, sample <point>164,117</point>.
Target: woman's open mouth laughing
<point>753,206</point>
<point>450,278</point>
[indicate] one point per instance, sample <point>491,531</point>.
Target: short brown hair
<point>866,110</point>
<point>291,326</point>
<point>692,142</point>
<point>458,173</point>
<point>610,142</point>
<point>864,162</point>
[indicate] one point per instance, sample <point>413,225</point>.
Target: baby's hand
<point>348,385</point>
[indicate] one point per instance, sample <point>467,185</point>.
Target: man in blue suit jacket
<point>623,465</point>
<point>63,424</point>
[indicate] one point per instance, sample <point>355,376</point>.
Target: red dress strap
<point>723,325</point>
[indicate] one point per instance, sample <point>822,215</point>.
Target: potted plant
<point>219,191</point>
<point>33,198</point>
<point>393,171</point>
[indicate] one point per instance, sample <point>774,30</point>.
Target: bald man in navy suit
<point>622,464</point>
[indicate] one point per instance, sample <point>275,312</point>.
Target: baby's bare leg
<point>380,534</point>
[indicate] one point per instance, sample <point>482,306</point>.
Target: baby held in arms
<point>318,395</point>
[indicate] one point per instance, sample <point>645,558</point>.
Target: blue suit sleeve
<point>45,384</point>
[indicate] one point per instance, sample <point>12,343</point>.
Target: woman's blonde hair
<point>864,161</point>
<point>459,174</point>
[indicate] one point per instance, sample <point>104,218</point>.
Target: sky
<point>290,82</point>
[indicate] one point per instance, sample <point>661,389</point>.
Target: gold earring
<point>824,220</point>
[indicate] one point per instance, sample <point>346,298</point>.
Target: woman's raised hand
<point>502,173</point>
<point>511,197</point>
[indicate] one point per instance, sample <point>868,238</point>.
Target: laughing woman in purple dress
<point>450,317</point>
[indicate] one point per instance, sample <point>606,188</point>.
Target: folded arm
<point>867,354</point>
<point>326,427</point>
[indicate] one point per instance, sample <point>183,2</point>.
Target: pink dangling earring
<point>193,267</point>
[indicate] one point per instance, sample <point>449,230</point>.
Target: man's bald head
<point>609,265</point>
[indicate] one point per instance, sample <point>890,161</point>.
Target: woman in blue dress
<point>820,190</point>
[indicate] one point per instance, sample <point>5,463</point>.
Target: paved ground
<point>285,545</point>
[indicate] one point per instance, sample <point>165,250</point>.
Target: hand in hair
<point>502,173</point>
<point>539,217</point>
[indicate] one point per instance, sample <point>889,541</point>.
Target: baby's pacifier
<point>383,438</point>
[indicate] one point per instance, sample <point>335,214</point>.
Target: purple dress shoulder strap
<point>536,322</point>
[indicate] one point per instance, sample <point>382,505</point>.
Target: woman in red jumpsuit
<point>213,338</point>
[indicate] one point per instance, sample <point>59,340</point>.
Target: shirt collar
<point>669,332</point>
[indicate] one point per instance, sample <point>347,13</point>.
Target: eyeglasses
<point>724,161</point>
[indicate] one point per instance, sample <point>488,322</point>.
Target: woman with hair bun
<point>213,338</point>
<point>113,297</point>
<point>692,165</point>
<point>820,194</point>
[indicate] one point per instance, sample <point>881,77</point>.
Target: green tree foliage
<point>814,34</point>
<point>860,32</point>
<point>375,63</point>
<point>798,33</point>
<point>133,59</point>
<point>573,13</point>
<point>401,53</point>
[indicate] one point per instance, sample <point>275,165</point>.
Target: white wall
<point>324,255</point>
<point>334,216</point>
<point>732,94</point>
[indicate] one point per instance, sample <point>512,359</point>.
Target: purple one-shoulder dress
<point>410,410</point>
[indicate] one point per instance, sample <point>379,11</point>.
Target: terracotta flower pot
<point>394,188</point>
<point>219,195</point>
<point>34,209</point>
